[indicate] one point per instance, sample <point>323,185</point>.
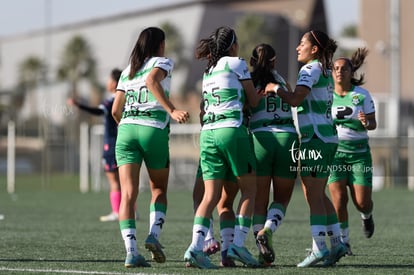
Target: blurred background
<point>51,50</point>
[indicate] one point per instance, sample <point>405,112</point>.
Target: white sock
<point>334,234</point>
<point>241,231</point>
<point>199,235</point>
<point>130,241</point>
<point>157,219</point>
<point>210,232</point>
<point>274,219</point>
<point>318,237</point>
<point>345,235</point>
<point>227,236</point>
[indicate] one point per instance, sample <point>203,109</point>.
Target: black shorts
<point>109,162</point>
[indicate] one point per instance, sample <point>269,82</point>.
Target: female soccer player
<point>274,136</point>
<point>143,110</point>
<point>226,215</point>
<point>319,140</point>
<point>353,112</point>
<point>225,148</point>
<point>110,133</point>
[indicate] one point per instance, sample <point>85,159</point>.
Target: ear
<point>314,49</point>
<point>251,62</point>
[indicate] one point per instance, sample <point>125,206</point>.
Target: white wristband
<point>276,87</point>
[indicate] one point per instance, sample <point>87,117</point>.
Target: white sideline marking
<point>67,271</point>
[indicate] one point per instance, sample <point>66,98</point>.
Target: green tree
<point>250,29</point>
<point>350,31</point>
<point>32,71</point>
<point>174,48</point>
<point>77,62</point>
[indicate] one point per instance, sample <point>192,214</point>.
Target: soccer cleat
<point>226,261</point>
<point>337,253</point>
<point>211,247</point>
<point>198,259</point>
<point>109,218</point>
<point>242,255</point>
<point>314,257</point>
<point>348,251</point>
<point>262,261</point>
<point>135,261</point>
<point>264,243</point>
<point>368,227</point>
<point>153,245</point>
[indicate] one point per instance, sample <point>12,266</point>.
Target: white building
<point>112,39</point>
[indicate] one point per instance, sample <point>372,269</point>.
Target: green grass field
<point>55,229</point>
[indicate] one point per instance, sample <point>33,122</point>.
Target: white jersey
<point>223,94</point>
<point>272,114</point>
<point>314,113</point>
<point>141,107</point>
<point>353,137</point>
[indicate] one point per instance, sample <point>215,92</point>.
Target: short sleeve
<point>165,63</point>
<point>309,75</point>
<point>369,106</point>
<point>122,79</point>
<point>239,67</point>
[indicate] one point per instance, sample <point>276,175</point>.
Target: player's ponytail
<point>262,61</point>
<point>147,45</point>
<point>356,61</point>
<point>216,46</point>
<point>326,48</point>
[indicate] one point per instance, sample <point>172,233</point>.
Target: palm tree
<point>350,31</point>
<point>175,49</point>
<point>175,44</point>
<point>32,71</point>
<point>77,63</point>
<point>254,29</point>
<point>348,34</point>
<point>250,29</point>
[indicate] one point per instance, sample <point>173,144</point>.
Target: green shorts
<point>273,154</point>
<point>136,143</point>
<point>316,157</point>
<point>356,168</point>
<point>199,174</point>
<point>226,153</point>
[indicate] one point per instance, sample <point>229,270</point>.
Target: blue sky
<point>20,16</point>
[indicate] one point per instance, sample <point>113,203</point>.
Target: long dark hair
<point>356,61</point>
<point>262,60</point>
<point>147,45</point>
<point>216,46</point>
<point>326,46</point>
